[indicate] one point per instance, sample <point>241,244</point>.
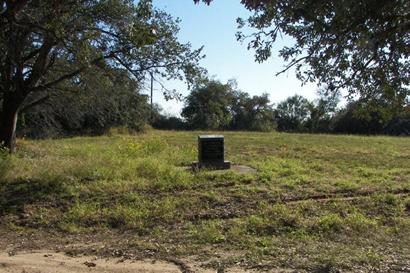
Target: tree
<point>44,43</point>
<point>349,121</point>
<point>292,113</point>
<point>252,113</point>
<point>372,117</point>
<point>322,111</point>
<point>400,124</point>
<point>208,106</point>
<point>100,100</point>
<point>359,45</point>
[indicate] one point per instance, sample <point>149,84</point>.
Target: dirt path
<point>52,262</point>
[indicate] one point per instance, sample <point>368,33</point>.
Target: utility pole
<point>152,88</point>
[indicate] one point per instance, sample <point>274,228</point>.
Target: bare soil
<point>44,261</point>
<point>43,252</point>
<point>51,262</point>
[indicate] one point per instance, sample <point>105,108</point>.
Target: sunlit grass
<point>316,202</point>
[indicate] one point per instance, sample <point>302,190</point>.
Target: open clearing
<point>316,203</point>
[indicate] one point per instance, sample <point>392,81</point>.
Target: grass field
<point>318,203</point>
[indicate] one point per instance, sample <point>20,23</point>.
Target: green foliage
<point>4,162</point>
<point>58,41</point>
<point>354,119</point>
<point>400,124</point>
<point>101,100</point>
<point>297,114</point>
<point>293,113</point>
<point>252,113</point>
<point>322,111</point>
<point>361,46</point>
<point>169,123</point>
<point>207,106</point>
<point>214,105</point>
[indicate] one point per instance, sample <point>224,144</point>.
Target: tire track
<point>236,208</point>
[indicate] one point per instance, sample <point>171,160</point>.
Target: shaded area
<point>15,195</point>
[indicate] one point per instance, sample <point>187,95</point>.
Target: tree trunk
<point>8,122</point>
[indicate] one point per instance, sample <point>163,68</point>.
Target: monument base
<point>225,165</point>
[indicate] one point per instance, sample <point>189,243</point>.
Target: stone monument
<point>211,153</point>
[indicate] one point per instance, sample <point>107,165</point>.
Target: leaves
<point>360,46</point>
<point>135,36</point>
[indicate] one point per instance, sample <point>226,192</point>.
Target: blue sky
<point>214,27</point>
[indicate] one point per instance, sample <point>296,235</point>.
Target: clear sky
<point>214,27</point>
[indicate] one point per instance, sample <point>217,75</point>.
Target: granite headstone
<point>211,153</point>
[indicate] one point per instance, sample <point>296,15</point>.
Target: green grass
<point>317,202</point>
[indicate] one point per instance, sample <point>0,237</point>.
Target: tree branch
<point>71,74</point>
<point>40,64</point>
<point>31,54</point>
<point>353,76</point>
<point>34,103</point>
<point>293,63</point>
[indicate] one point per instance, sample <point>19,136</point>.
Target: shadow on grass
<point>14,195</point>
<point>4,163</point>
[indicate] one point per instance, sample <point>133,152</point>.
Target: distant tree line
<point>217,106</point>
<point>100,100</point>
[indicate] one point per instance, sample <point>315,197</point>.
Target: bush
<point>351,121</point>
<point>169,123</point>
<point>399,126</point>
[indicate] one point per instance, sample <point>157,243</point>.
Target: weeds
<point>314,203</point>
<point>5,159</point>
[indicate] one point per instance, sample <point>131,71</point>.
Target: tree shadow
<point>4,162</point>
<point>16,194</point>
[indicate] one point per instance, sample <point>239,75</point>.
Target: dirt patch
<point>48,262</point>
<point>240,169</point>
<point>56,262</point>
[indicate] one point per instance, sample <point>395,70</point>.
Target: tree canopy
<point>361,46</point>
<point>292,113</point>
<point>208,106</point>
<point>252,113</point>
<point>44,43</point>
<point>214,105</point>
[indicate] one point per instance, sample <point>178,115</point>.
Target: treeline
<point>218,106</point>
<point>103,99</point>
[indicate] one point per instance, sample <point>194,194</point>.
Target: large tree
<point>293,113</point>
<point>252,113</point>
<point>362,46</point>
<point>43,43</point>
<point>208,106</point>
